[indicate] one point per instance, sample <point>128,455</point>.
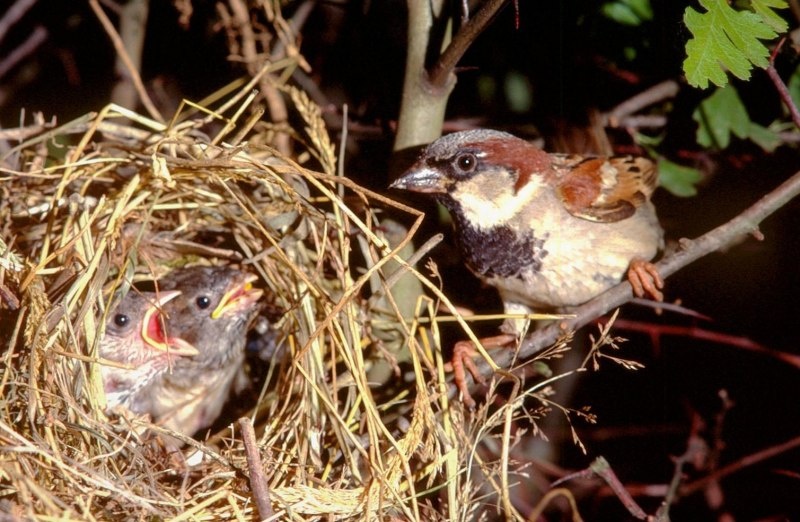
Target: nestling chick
<point>549,231</point>
<point>135,336</point>
<point>213,312</point>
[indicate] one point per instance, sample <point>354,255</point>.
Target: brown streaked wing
<point>603,189</point>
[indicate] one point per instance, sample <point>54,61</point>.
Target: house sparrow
<point>135,337</point>
<point>213,312</point>
<point>548,231</point>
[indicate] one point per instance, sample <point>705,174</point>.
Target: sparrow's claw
<point>463,359</point>
<point>645,279</point>
<point>463,352</point>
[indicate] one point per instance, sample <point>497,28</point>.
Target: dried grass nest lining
<point>132,208</point>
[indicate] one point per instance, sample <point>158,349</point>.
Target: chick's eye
<point>466,162</point>
<point>122,320</point>
<point>203,302</point>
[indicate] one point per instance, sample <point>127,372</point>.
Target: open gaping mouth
<point>153,331</point>
<point>240,297</point>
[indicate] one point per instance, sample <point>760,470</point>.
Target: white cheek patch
<point>488,205</point>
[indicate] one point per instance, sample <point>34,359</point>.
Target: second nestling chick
<point>213,313</point>
<point>135,338</point>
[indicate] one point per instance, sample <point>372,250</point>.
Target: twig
<point>254,59</point>
<point>122,54</point>
<point>690,488</point>
<point>643,121</point>
<point>715,495</point>
<point>439,73</point>
<point>258,481</point>
<point>783,91</point>
<point>601,468</point>
<point>696,332</point>
<point>27,47</point>
<point>13,14</point>
<point>132,32</point>
<point>696,450</point>
<point>740,464</point>
<point>11,300</point>
<point>656,93</point>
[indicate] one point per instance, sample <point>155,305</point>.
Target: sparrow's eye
<point>122,320</point>
<point>203,302</point>
<point>466,162</point>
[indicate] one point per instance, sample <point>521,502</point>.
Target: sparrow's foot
<point>463,361</point>
<point>645,279</point>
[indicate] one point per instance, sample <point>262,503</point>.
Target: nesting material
<point>352,419</point>
<point>96,205</point>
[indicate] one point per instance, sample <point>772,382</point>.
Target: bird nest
<point>351,413</point>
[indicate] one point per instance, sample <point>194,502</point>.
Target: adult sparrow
<point>135,338</point>
<point>213,312</point>
<point>548,231</point>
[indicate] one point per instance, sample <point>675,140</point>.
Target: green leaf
<point>765,9</point>
<point>764,137</point>
<point>628,12</point>
<point>718,116</point>
<point>723,38</point>
<point>642,8</point>
<point>723,114</point>
<point>519,91</point>
<point>621,13</point>
<point>679,180</point>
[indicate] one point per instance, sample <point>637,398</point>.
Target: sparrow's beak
<point>153,329</point>
<point>421,179</point>
<point>240,297</point>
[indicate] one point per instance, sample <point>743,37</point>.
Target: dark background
<point>573,59</point>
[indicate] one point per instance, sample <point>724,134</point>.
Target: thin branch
<point>34,40</point>
<point>122,53</point>
<point>441,70</point>
<point>783,91</point>
<point>132,32</point>
<point>601,468</point>
<point>659,92</point>
<point>643,121</point>
<point>690,488</point>
<point>696,449</point>
<point>733,467</point>
<point>695,332</point>
<point>13,14</point>
<point>258,481</point>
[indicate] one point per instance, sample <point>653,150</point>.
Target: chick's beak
<point>421,178</point>
<point>153,329</point>
<point>240,297</point>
